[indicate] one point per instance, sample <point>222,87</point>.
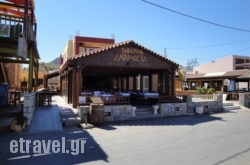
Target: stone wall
<point>215,105</point>
<point>173,109</point>
<point>117,113</point>
<point>244,99</point>
<point>29,106</point>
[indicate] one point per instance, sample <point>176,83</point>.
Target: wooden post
<point>31,63</point>
<point>36,74</point>
<point>76,86</point>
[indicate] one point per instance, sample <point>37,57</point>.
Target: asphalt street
<point>217,139</point>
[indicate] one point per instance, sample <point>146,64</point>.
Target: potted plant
<point>19,123</point>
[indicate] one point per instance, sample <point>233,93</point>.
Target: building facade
<point>228,63</point>
<point>125,67</point>
<point>222,74</point>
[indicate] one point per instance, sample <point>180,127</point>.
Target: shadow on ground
<point>91,151</point>
<point>166,121</point>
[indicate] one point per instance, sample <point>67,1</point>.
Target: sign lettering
<point>131,54</point>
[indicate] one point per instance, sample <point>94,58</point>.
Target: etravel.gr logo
<point>47,146</point>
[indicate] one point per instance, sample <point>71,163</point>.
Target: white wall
<point>221,65</point>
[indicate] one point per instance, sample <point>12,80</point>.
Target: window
<point>138,82</point>
<point>145,83</point>
<point>239,61</point>
<point>239,68</point>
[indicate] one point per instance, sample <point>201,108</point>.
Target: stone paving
<point>46,119</point>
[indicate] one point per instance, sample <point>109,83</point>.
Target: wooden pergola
<point>18,36</point>
<point>117,67</point>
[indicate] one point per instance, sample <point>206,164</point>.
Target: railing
<point>171,99</point>
<point>232,96</point>
<point>204,97</point>
<point>107,100</point>
<point>13,27</point>
<point>185,92</point>
<point>116,99</point>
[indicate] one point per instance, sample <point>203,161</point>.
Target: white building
<point>221,74</point>
<point>228,63</point>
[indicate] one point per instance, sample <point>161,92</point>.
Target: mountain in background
<point>50,66</point>
<point>56,61</point>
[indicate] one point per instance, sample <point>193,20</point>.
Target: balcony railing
<point>171,99</point>
<point>116,99</point>
<point>106,99</point>
<point>204,97</point>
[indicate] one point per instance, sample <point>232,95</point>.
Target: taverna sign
<point>130,55</point>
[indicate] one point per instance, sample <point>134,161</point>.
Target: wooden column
<point>134,82</point>
<point>127,83</point>
<point>36,75</point>
<point>76,86</point>
<point>173,83</point>
<point>150,82</point>
<point>31,65</point>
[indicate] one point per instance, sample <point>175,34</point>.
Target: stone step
<point>144,110</point>
<point>141,113</point>
<point>228,104</point>
<point>71,121</point>
<point>67,113</point>
<point>228,108</point>
<point>152,116</point>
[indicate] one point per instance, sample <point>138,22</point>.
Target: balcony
<point>18,35</point>
<point>17,32</point>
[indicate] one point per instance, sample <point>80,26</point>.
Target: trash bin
<point>83,112</point>
<point>96,110</point>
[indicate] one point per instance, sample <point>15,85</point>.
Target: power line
<point>209,46</point>
<point>195,18</point>
<point>242,50</point>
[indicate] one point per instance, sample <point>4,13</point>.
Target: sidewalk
<point>47,118</point>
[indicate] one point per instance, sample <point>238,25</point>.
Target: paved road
<point>218,139</point>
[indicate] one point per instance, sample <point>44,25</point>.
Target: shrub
<point>203,90</point>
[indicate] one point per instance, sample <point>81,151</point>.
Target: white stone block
<point>28,103</point>
<point>29,118</point>
<point>28,109</point>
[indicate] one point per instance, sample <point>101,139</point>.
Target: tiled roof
<point>112,46</point>
<point>234,73</point>
<point>245,75</point>
<point>199,75</point>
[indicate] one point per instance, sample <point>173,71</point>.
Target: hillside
<point>56,61</point>
<point>50,66</point>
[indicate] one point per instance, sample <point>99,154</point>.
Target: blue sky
<point>157,29</point>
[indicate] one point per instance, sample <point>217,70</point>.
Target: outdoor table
<point>44,98</point>
<point>14,98</point>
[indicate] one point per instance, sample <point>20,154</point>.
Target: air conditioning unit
<point>4,30</point>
